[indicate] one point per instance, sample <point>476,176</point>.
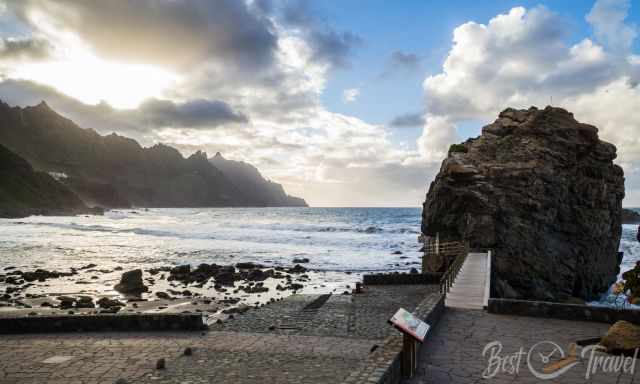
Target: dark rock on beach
<point>131,282</point>
<point>542,191</point>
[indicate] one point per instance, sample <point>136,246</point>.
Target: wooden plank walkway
<point>470,287</point>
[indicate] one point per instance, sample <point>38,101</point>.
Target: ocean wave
<point>106,229</point>
<point>370,229</point>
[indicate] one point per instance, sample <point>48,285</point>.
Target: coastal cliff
<point>259,190</point>
<point>24,191</point>
<point>541,190</point>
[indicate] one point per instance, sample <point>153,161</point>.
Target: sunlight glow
<point>76,71</point>
<point>92,80</point>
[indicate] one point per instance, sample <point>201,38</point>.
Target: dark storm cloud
<point>191,114</point>
<point>407,120</point>
<point>153,114</point>
<point>328,44</point>
<point>28,48</point>
<point>170,33</point>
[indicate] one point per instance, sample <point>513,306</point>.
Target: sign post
<point>413,330</point>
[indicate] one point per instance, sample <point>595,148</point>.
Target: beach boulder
<point>131,283</point>
<point>622,337</point>
<point>541,190</point>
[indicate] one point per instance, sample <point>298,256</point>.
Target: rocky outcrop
<point>24,191</point>
<point>630,217</point>
<point>622,337</point>
<point>541,190</point>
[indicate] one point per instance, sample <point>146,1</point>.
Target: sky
<point>344,102</point>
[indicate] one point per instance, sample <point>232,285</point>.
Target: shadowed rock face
<point>24,191</point>
<point>259,191</point>
<point>541,190</point>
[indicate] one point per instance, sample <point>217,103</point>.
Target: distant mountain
<point>25,192</point>
<point>114,171</point>
<point>259,190</point>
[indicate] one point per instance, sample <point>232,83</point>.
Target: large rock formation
<point>25,192</point>
<point>541,190</point>
<point>115,171</point>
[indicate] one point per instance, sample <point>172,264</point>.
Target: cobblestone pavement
<point>304,339</point>
<point>454,350</point>
<point>356,316</point>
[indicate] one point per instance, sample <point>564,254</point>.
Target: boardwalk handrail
<point>487,283</point>
<point>445,251</point>
<point>451,273</point>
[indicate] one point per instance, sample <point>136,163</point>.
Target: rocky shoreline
<point>216,291</point>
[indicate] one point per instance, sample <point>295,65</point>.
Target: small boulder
<point>622,337</point>
<point>84,302</point>
<point>298,269</point>
<point>108,303</point>
<point>301,260</point>
<point>163,295</point>
<point>131,282</point>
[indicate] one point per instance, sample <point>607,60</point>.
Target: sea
<point>341,242</point>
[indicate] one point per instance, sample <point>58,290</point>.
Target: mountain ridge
<point>115,171</point>
<point>248,178</point>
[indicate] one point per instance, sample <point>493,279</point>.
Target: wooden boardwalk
<point>470,288</point>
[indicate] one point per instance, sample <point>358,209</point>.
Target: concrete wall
<point>562,311</point>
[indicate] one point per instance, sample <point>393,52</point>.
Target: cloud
<point>166,33</point>
<point>24,48</point>
<point>409,61</point>
<point>400,62</point>
<point>439,132</point>
<point>350,95</point>
<point>522,58</point>
<point>329,45</point>
<point>407,120</point>
<point>607,17</point>
<point>153,114</point>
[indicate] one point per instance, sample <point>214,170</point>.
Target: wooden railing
<point>451,273</point>
<point>437,251</point>
<point>487,285</point>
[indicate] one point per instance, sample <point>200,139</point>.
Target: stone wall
<point>102,323</point>
<point>401,278</point>
<point>575,312</point>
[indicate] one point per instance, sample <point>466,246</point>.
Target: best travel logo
<point>547,360</point>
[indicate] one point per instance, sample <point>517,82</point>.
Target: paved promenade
<point>305,339</point>
<point>454,351</point>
